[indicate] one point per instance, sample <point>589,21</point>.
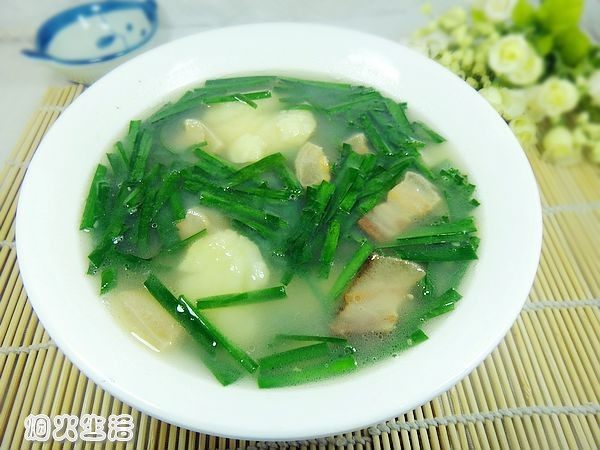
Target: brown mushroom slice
<point>381,289</point>
<point>410,200</point>
<point>312,165</point>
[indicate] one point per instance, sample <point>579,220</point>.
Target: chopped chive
<point>118,166</point>
<point>373,136</point>
<point>212,164</point>
<point>241,82</point>
<point>425,133</point>
<point>310,372</point>
<point>248,97</point>
<point>398,113</point>
<point>310,338</point>
<point>182,244</point>
<point>121,151</point>
<point>91,210</point>
<point>176,205</point>
<point>440,310</point>
<point>329,247</point>
<point>242,298</point>
<point>140,157</point>
<point>168,187</point>
<point>237,353</point>
<point>417,337</point>
<point>287,277</point>
<point>166,228</point>
<point>276,161</point>
<point>108,280</point>
<point>440,305</point>
<point>253,217</point>
<point>447,251</point>
<point>242,98</point>
<point>100,254</point>
<point>438,233</point>
<point>216,358</point>
<point>288,357</point>
<point>350,270</point>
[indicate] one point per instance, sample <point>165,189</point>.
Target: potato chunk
<point>312,166</point>
<point>372,303</point>
<point>222,263</point>
<point>410,200</point>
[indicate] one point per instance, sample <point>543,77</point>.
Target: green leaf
<point>542,43</point>
<point>523,13</point>
<point>559,15</point>
<point>573,45</point>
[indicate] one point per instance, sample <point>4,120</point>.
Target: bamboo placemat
<point>538,390</point>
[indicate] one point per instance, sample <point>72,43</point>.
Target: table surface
<point>22,81</point>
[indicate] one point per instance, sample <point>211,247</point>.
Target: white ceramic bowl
<point>53,262</point>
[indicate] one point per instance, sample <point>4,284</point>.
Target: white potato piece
<point>197,219</point>
<point>222,263</point>
<point>359,143</point>
<point>179,135</point>
<point>283,131</point>
<point>288,130</point>
<point>410,200</point>
<point>372,303</point>
<point>312,165</point>
<point>233,119</point>
<point>145,318</point>
<point>247,148</point>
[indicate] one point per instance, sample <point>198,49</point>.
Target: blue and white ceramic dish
<point>88,40</point>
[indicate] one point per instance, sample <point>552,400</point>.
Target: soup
<point>285,228</point>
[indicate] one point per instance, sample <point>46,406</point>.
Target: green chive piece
<point>212,353</point>
<point>91,210</point>
<point>108,280</point>
<point>242,298</point>
<point>350,270</point>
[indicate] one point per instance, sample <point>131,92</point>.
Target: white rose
<point>496,10</point>
<point>559,146</point>
<point>556,96</point>
<point>526,132</point>
<point>514,102</point>
<point>493,96</point>
<point>432,44</point>
<point>509,54</point>
<point>529,73</point>
<point>593,87</point>
<point>453,18</point>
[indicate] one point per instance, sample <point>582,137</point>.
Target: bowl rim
<point>27,251</point>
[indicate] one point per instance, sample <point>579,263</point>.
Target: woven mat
<point>538,389</point>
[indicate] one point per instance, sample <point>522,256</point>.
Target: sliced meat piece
<point>410,200</point>
<point>381,289</point>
